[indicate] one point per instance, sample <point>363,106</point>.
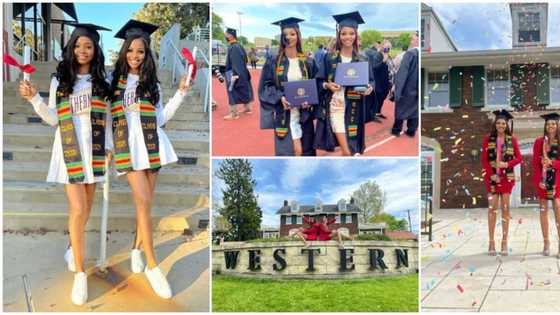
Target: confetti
<point>460,288</point>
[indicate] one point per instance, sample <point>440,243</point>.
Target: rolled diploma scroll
<point>26,61</point>
<point>189,67</point>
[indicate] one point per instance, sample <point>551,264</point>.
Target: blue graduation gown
<point>236,62</point>
<point>355,109</point>
<point>406,87</point>
<point>272,113</point>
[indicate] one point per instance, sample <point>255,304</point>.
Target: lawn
<point>383,294</point>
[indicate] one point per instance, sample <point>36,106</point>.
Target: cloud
<point>296,171</point>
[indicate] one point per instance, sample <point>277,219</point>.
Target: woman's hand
<point>369,90</point>
<point>27,90</point>
<point>495,178</point>
<point>109,155</point>
<point>546,162</point>
<point>285,103</point>
<point>501,164</point>
<point>333,87</point>
<point>183,87</point>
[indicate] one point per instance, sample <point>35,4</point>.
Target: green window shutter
<point>455,87</point>
<point>543,84</point>
<point>516,72</point>
<point>478,86</point>
<point>422,85</point>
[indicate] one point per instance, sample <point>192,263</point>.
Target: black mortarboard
<point>502,113</point>
<point>551,116</point>
<point>87,29</point>
<point>134,28</point>
<point>352,19</point>
<point>232,31</point>
<point>290,22</point>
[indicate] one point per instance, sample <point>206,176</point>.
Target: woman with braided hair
<point>546,177</point>
<point>293,126</point>
<point>141,146</point>
<point>341,115</point>
<point>500,154</point>
<point>78,106</point>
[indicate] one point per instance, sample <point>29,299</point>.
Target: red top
<point>538,170</point>
<point>311,232</point>
<point>504,186</point>
<point>324,232</point>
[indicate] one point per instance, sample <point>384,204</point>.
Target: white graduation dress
<point>137,146</point>
<point>80,102</point>
<point>294,74</point>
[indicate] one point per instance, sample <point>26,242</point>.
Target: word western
<point>346,259</point>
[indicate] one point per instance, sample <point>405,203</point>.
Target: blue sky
<point>109,15</point>
<point>256,18</point>
<point>330,180</point>
<point>492,29</point>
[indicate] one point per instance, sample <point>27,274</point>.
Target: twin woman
<point>117,117</point>
<point>500,154</point>
<point>341,113</point>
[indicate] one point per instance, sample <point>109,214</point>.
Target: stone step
<point>176,197</point>
<point>35,134</point>
<point>54,216</point>
<point>42,153</point>
<point>172,174</point>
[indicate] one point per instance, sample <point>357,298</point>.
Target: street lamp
<point>239,14</point>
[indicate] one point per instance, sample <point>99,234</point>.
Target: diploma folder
<point>299,92</point>
<point>352,74</point>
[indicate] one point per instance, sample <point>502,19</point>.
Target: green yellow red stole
<point>507,155</point>
<point>70,146</point>
<point>148,120</point>
<point>550,178</point>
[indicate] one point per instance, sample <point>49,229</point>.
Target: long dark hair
<point>67,70</point>
<point>147,81</point>
<point>494,131</point>
<point>338,43</point>
<point>284,44</point>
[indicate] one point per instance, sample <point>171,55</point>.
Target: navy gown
<point>236,62</point>
<point>272,113</point>
<point>406,87</point>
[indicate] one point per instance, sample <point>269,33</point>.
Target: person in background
<point>253,58</point>
<point>240,90</point>
<point>406,92</point>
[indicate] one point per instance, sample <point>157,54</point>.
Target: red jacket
<point>537,170</point>
<point>324,232</point>
<point>504,186</point>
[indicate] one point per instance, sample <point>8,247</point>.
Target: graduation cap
<point>352,19</point>
<point>134,28</point>
<point>551,116</point>
<point>231,31</point>
<point>502,114</point>
<point>290,22</point>
<point>87,29</point>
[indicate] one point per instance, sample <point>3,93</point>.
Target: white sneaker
<point>136,262</point>
<point>69,258</point>
<point>158,282</point>
<point>79,289</point>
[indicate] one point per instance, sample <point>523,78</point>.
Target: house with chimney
<point>461,88</point>
<point>347,215</point>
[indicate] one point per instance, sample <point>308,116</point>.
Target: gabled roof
<point>427,8</point>
<point>350,208</point>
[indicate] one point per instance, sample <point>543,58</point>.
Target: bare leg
<point>78,208</point>
<point>544,225</point>
<point>302,237</point>
<point>142,195</point>
<point>298,150</point>
<point>505,221</point>
<point>341,138</point>
<point>338,237</point>
<point>152,177</point>
<point>493,201</point>
<point>556,207</point>
<point>90,193</point>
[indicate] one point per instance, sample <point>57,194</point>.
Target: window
<point>497,87</point>
<point>294,219</point>
<point>422,30</point>
<point>529,27</point>
<point>337,217</point>
<point>343,218</point>
<point>555,84</point>
<point>299,220</point>
<point>438,89</point>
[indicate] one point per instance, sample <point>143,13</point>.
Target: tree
<point>165,15</point>
<point>370,198</point>
<point>404,40</point>
<point>393,224</point>
<point>369,37</point>
<point>217,29</point>
<point>243,41</point>
<point>240,207</point>
<point>274,42</point>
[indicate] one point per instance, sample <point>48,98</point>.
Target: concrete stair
<point>181,198</point>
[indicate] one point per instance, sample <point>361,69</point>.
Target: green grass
<point>383,294</point>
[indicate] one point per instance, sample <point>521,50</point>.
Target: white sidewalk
<point>458,275</point>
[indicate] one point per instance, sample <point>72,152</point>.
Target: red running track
<point>243,137</point>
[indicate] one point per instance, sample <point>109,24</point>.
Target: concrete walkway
<point>36,278</point>
<point>458,275</point>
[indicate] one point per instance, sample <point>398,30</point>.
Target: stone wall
<point>264,260</point>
